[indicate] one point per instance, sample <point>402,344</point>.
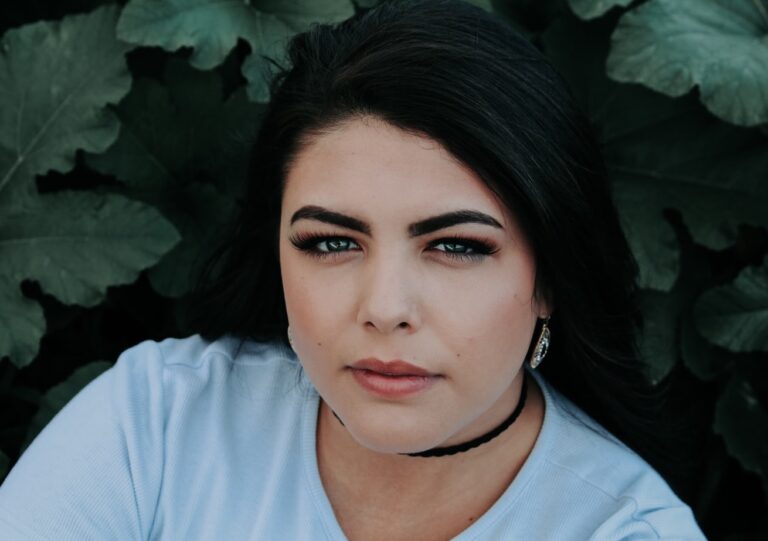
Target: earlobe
<point>543,309</point>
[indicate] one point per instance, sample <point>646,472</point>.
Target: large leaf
<point>658,344</point>
<point>704,360</point>
<point>742,420</point>
<point>719,45</point>
<point>668,318</point>
<point>487,5</point>
<point>212,28</point>
<point>184,150</point>
<point>56,79</point>
<point>669,331</point>
<point>75,244</point>
<point>298,15</point>
<point>664,153</point>
<point>735,316</point>
<point>59,395</point>
<point>589,9</point>
<point>4,463</point>
<point>22,323</point>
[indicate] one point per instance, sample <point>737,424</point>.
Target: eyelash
<point>307,242</point>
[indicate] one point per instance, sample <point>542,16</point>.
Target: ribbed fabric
<point>186,439</point>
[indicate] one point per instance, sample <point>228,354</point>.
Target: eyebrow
<point>416,229</point>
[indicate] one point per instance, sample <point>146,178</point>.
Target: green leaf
<point>183,150</point>
<point>663,153</point>
<point>22,324</point>
<point>719,45</point>
<point>487,5</point>
<point>735,316</point>
<point>742,421</point>
<point>5,462</point>
<point>298,15</point>
<point>212,28</point>
<point>658,344</point>
<point>589,9</point>
<point>200,212</point>
<point>703,359</point>
<point>59,395</point>
<point>668,316</point>
<point>75,244</point>
<point>55,80</point>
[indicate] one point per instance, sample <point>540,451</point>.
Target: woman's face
<point>385,279</point>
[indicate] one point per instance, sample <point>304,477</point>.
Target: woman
<point>428,211</point>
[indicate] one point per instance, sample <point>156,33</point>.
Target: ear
<point>543,305</point>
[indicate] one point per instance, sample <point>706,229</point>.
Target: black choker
<point>488,436</point>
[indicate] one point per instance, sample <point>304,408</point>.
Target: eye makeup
<point>469,249</point>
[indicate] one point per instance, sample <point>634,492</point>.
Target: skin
<point>392,296</point>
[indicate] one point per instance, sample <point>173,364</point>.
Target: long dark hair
<point>463,77</point>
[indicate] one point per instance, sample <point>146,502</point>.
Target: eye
<point>464,249</point>
<point>322,246</point>
<point>326,246</point>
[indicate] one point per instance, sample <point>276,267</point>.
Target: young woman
<point>427,221</point>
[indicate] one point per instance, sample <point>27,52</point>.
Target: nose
<point>388,296</point>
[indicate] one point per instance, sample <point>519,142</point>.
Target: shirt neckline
<point>497,511</point>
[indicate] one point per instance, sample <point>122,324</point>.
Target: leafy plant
<point>56,80</point>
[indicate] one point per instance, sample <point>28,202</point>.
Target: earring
<point>542,346</point>
<point>290,338</point>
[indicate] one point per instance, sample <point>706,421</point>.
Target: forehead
<point>367,164</point>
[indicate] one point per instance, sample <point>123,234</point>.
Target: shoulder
<point>627,495</point>
<point>194,352</point>
<point>166,412</point>
<point>177,384</point>
<point>193,364</point>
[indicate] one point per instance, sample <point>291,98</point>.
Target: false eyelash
<point>307,242</point>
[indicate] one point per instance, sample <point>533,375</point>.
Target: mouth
<point>391,368</point>
<point>392,379</point>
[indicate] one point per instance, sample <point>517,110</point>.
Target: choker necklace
<point>488,436</point>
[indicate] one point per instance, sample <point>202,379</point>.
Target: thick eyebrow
<point>422,227</point>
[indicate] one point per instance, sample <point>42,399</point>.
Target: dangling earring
<point>290,338</point>
<point>542,346</point>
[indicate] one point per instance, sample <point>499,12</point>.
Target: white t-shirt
<point>186,439</point>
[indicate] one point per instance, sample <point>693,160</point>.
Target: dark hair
<point>464,78</point>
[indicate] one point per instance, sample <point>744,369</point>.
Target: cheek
<point>495,309</point>
<point>315,304</point>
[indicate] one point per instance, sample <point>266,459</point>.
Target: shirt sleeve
<point>94,471</point>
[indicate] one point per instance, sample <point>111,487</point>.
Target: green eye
<point>324,246</point>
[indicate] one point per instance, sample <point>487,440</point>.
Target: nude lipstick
<point>392,379</point>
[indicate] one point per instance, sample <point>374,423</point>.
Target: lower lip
<point>392,386</point>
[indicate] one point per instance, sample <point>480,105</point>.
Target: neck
<point>342,458</point>
<point>479,440</point>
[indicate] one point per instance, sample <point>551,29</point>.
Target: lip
<point>391,368</point>
<point>392,379</point>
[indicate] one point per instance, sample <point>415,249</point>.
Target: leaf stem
<point>761,8</point>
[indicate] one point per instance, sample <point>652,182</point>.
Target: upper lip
<point>391,368</point>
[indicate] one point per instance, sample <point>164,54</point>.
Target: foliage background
<point>124,131</point>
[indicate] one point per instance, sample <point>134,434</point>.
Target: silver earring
<point>542,346</point>
<point>290,338</point>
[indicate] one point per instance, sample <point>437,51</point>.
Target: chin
<point>393,440</point>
